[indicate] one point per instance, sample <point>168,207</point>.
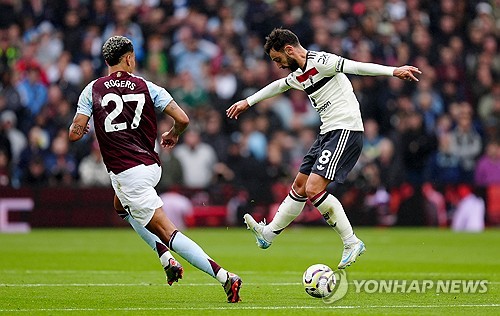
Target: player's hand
<point>169,139</point>
<point>236,109</point>
<point>406,73</point>
<point>86,129</point>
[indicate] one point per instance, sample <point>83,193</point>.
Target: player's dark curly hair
<point>279,38</point>
<point>114,49</point>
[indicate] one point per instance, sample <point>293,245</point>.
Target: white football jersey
<point>329,90</point>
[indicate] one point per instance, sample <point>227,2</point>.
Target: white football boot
<point>258,231</point>
<point>351,252</point>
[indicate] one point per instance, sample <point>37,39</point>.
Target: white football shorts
<point>135,188</point>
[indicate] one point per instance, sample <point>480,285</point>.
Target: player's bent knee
<point>313,190</point>
<point>299,185</point>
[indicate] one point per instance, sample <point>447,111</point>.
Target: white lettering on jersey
<point>119,84</point>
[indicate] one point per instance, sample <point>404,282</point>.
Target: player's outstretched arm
<point>181,121</point>
<point>79,127</point>
<point>406,73</point>
<point>370,69</point>
<point>236,109</point>
<point>274,88</point>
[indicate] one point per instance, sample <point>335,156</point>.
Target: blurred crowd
<point>420,139</point>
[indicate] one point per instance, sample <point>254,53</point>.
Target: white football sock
<point>289,209</point>
<point>151,239</point>
<point>334,214</point>
<point>193,254</point>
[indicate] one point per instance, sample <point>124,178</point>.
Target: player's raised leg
<point>333,212</point>
<point>194,254</point>
<point>289,209</point>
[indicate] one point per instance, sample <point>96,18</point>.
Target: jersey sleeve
<point>366,69</point>
<point>274,88</point>
<point>161,98</point>
<point>331,64</point>
<point>84,105</point>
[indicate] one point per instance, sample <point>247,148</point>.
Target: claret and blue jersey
<point>123,107</point>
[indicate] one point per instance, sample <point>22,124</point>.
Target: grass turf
<point>113,272</point>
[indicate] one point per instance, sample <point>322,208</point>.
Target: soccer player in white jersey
<point>337,147</point>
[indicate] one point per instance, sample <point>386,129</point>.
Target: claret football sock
<point>289,209</point>
<point>193,254</point>
<point>334,214</point>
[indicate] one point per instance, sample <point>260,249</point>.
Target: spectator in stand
<point>18,141</point>
<point>92,170</point>
<point>156,61</point>
<point>390,165</point>
<point>443,167</point>
<point>466,142</point>
<point>64,70</point>
<point>191,96</point>
<point>417,145</point>
<point>171,168</point>
<point>254,142</point>
<point>424,106</point>
<point>123,24</point>
<point>190,53</point>
<point>38,143</point>
<point>9,96</point>
<point>371,142</point>
<point>36,174</point>
<point>197,159</point>
<point>33,91</point>
<point>48,43</point>
<point>60,164</point>
<point>470,211</point>
<point>489,104</point>
<point>487,170</point>
<point>214,135</point>
<point>73,32</point>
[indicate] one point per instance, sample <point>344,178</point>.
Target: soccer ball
<point>319,280</point>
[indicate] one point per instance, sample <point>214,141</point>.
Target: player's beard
<point>292,64</point>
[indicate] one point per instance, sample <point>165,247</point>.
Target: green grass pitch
<point>113,272</point>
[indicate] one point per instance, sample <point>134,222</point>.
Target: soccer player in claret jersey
<point>337,147</point>
<point>123,107</point>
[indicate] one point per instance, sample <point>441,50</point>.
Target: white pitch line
<point>388,273</point>
<point>243,307</point>
<point>151,284</point>
<point>134,284</point>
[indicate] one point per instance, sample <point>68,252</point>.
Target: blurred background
<point>432,149</point>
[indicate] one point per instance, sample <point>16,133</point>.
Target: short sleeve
<point>84,105</point>
<point>161,98</point>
